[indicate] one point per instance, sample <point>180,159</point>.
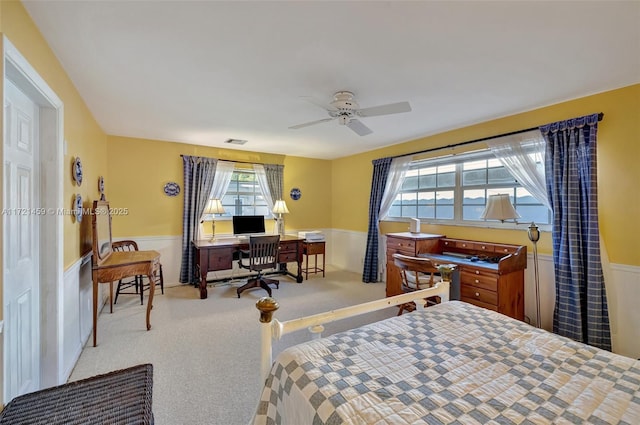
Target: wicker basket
<point>119,397</point>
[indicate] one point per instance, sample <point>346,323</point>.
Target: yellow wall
<point>618,173</point>
<point>341,186</point>
<point>83,135</point>
<point>140,168</point>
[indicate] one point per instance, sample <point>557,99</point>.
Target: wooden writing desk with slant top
<point>109,266</point>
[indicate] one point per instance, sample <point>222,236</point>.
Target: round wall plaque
<point>295,194</point>
<point>77,171</point>
<point>172,189</point>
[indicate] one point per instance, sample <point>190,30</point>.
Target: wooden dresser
<point>491,274</point>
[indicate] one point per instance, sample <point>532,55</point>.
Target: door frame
<point>51,154</point>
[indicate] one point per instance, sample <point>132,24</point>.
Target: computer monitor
<point>248,224</point>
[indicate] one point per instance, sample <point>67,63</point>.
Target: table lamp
<point>499,207</point>
<point>214,206</point>
<point>280,208</point>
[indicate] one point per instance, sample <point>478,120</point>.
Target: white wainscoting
<point>345,250</point>
<point>76,317</point>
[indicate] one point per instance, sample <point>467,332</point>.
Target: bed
<point>453,363</point>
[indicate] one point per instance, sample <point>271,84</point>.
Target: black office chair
<point>138,282</point>
<point>262,255</point>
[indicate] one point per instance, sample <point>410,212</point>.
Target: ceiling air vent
<point>235,141</point>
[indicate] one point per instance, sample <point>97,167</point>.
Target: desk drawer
<point>401,246</point>
<point>287,257</point>
<point>477,294</point>
<point>505,249</point>
<point>286,247</point>
<point>479,279</point>
<point>312,248</point>
<point>221,259</point>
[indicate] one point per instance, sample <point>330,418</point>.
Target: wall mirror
<point>101,220</point>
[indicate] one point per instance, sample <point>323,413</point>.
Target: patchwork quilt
<point>452,363</point>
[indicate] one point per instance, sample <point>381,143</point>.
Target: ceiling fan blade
<point>314,101</point>
<point>358,127</point>
<point>392,108</point>
<point>307,124</point>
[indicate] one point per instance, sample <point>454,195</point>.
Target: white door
<point>21,244</point>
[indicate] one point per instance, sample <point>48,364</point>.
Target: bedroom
<point>153,163</point>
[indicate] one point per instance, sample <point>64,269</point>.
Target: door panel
<point>21,244</point>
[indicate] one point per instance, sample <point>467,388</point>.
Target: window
<point>244,197</point>
<point>454,190</point>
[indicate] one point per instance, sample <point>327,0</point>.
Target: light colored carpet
<point>205,353</point>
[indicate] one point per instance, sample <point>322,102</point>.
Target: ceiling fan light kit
<point>346,110</point>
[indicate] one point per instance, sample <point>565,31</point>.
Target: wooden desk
<point>497,283</point>
<point>109,266</point>
<point>219,255</point>
<point>120,265</point>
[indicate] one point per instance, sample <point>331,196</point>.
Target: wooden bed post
<point>267,307</point>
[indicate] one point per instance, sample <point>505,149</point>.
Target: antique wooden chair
<point>262,255</point>
<point>416,273</point>
<point>138,282</point>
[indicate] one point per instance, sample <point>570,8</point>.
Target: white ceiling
<point>202,72</point>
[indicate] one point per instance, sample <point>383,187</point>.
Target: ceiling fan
<point>347,111</point>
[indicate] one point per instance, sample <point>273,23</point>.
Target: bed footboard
<point>273,329</point>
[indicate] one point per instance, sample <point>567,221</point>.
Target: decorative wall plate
<point>295,194</point>
<point>77,208</point>
<point>101,188</point>
<point>172,189</point>
<point>77,170</point>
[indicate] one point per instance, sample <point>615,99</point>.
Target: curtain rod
<point>230,160</point>
<point>600,116</point>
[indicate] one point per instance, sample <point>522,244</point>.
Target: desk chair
<point>262,255</point>
<point>136,282</point>
<point>416,273</point>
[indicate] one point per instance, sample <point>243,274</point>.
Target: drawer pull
<point>484,247</point>
<point>477,281</point>
<point>477,272</point>
<point>477,294</point>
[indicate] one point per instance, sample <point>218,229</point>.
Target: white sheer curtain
<point>397,172</point>
<point>523,156</point>
<point>261,176</point>
<point>224,171</point>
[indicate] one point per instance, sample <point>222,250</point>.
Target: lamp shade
<point>280,207</point>
<point>214,206</point>
<point>499,207</point>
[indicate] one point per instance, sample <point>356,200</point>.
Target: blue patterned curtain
<point>581,302</point>
<point>198,181</point>
<point>380,174</point>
